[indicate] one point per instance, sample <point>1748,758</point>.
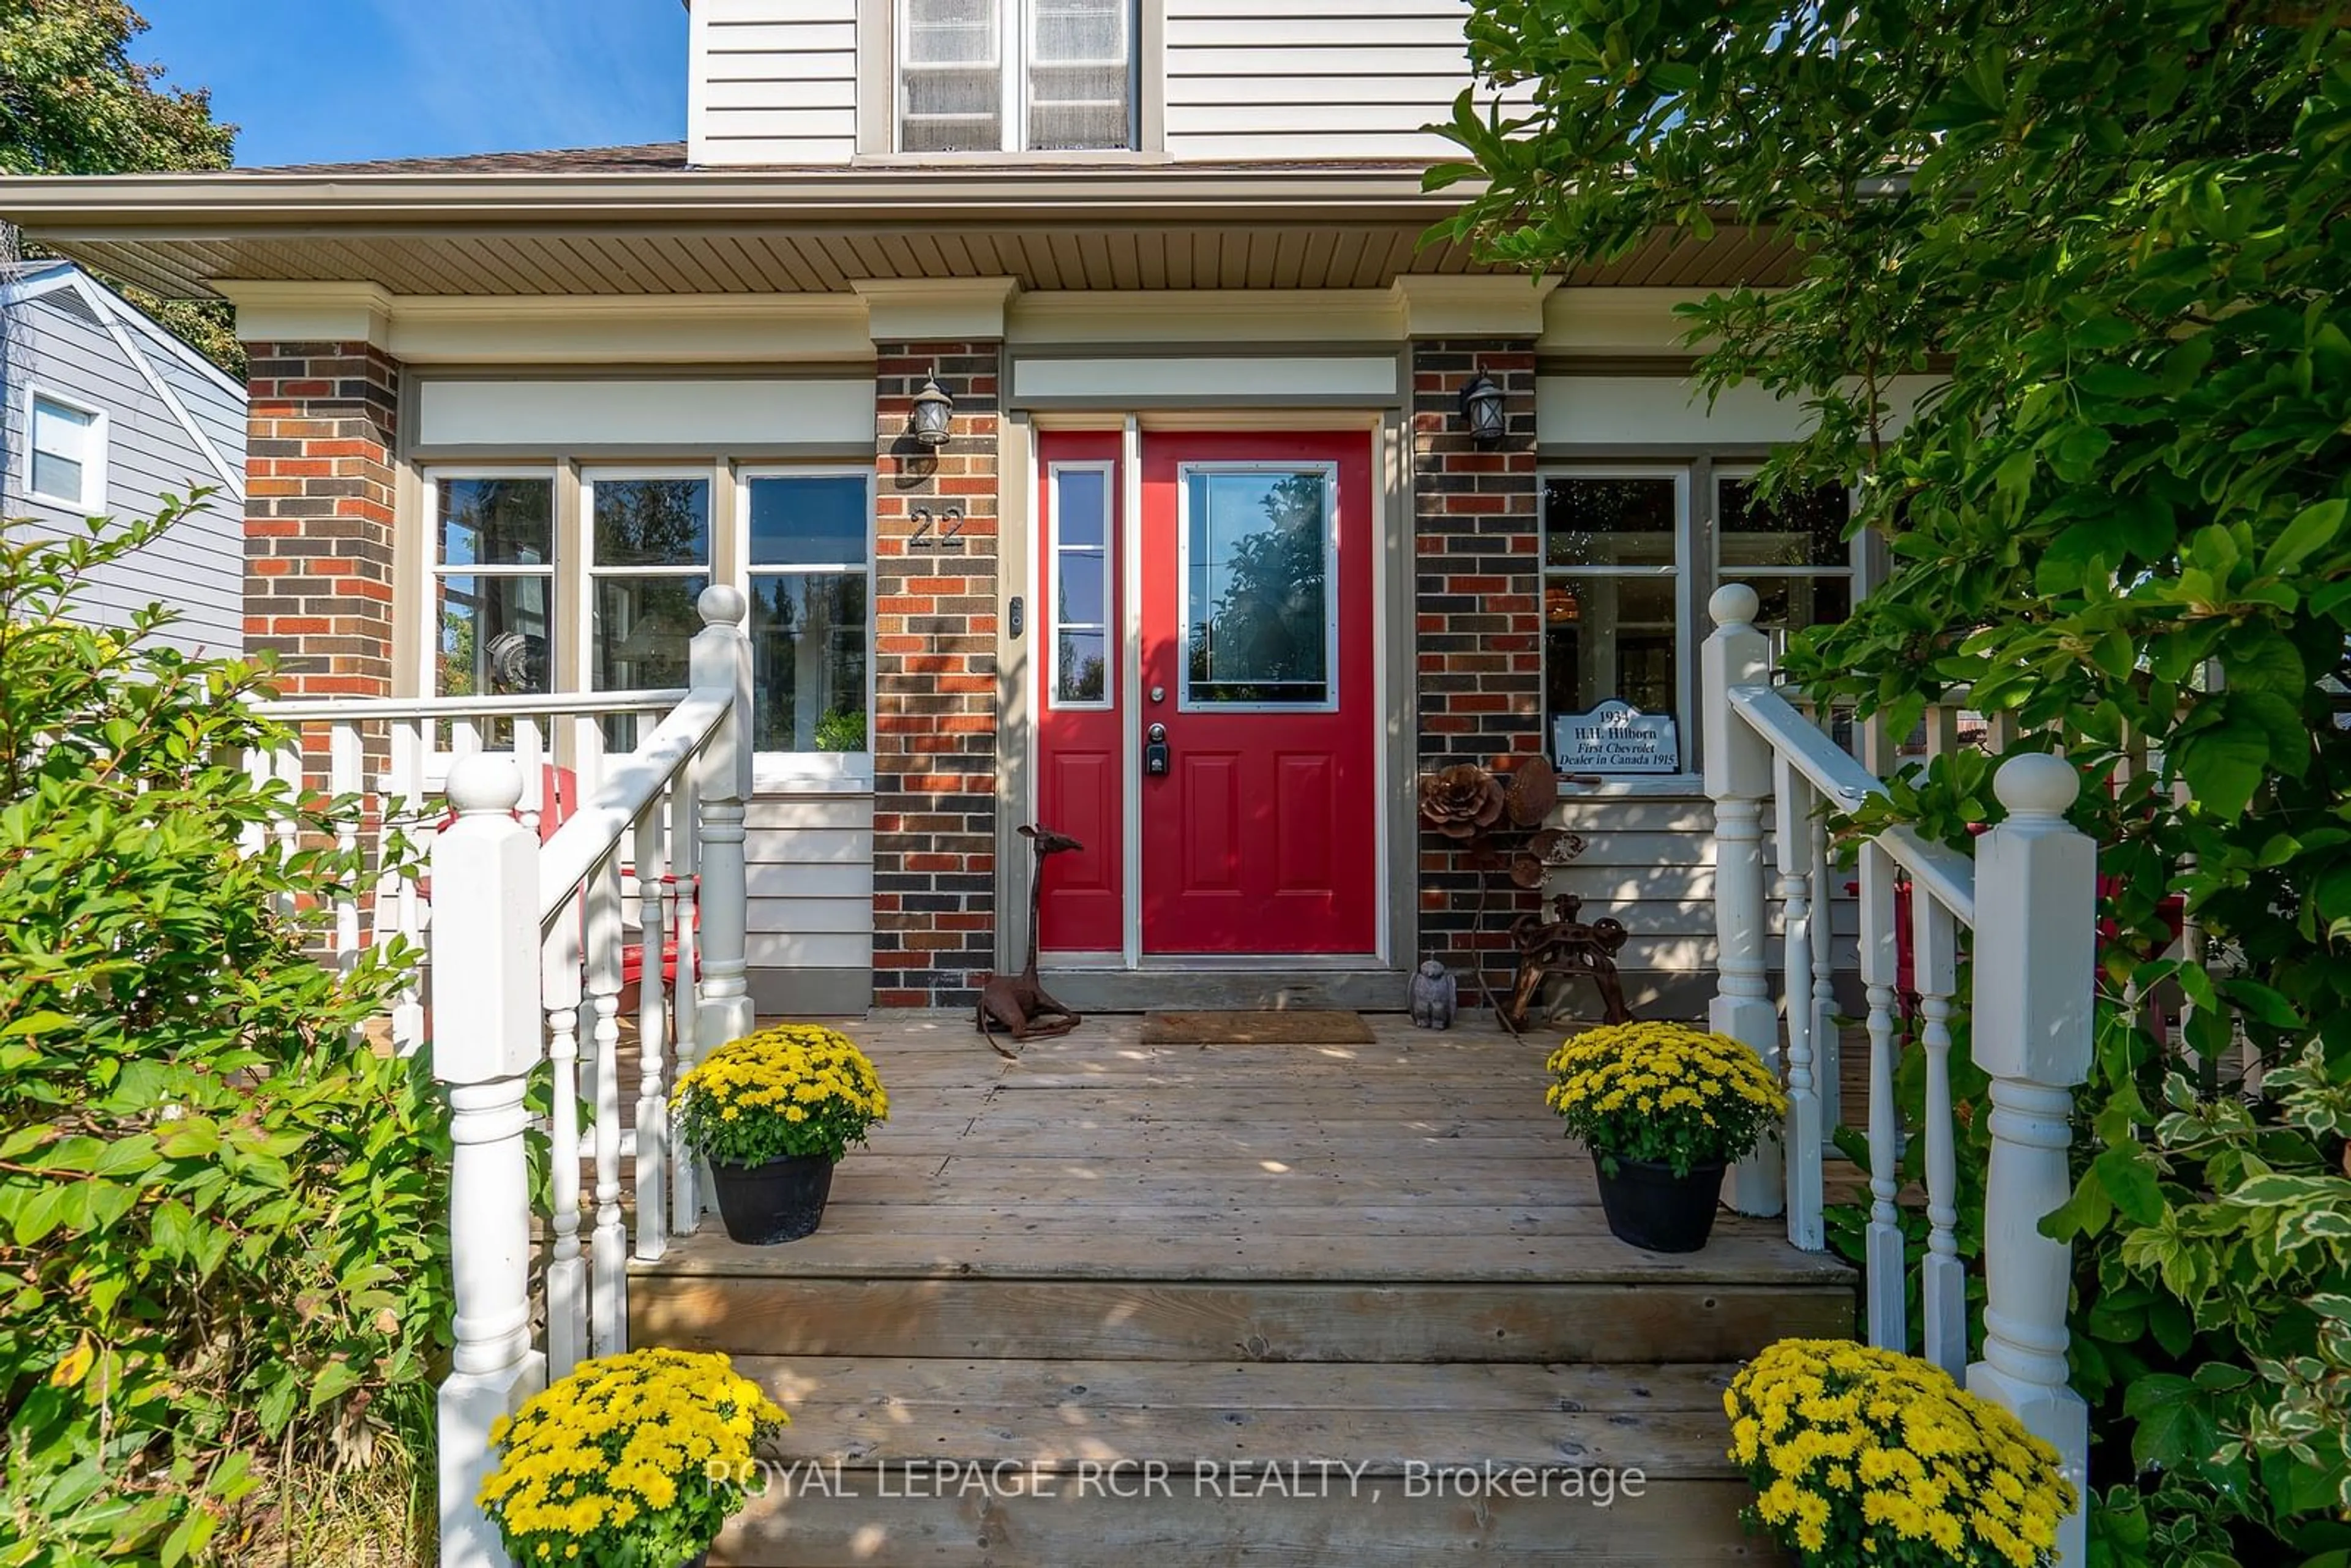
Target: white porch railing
<point>527,943</point>
<point>2028,897</point>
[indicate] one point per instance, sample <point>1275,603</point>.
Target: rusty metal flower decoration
<point>1461,801</point>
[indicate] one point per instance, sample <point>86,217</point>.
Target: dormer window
<point>1016,75</point>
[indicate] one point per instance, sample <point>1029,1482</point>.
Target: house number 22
<point>949,524</point>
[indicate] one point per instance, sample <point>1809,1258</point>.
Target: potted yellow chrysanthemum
<point>632,1461</point>
<point>773,1113</point>
<point>1664,1108</point>
<point>1869,1455</point>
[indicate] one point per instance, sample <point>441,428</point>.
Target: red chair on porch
<point>558,795</point>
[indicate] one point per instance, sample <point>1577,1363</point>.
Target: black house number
<point>948,524</point>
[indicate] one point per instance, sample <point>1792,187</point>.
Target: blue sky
<point>329,80</point>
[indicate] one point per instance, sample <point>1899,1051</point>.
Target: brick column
<point>320,440</point>
<point>1477,608</point>
<point>935,682</point>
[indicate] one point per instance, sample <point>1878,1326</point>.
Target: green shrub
<point>222,1239</point>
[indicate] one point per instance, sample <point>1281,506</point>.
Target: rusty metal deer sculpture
<point>1018,1004</point>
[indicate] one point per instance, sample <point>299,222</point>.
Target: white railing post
<point>653,1019</point>
<point>608,1243</point>
<point>485,1009</point>
<point>1738,778</point>
<point>403,811</point>
<point>567,1270</point>
<point>1791,837</point>
<point>1887,1318</point>
<point>685,1176</point>
<point>722,659</point>
<point>1942,1278</point>
<point>2036,948</point>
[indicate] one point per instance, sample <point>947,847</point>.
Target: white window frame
<point>1015,22</point>
<point>1334,607</point>
<point>1685,601</point>
<point>1108,551</point>
<point>92,502</point>
<point>776,769</point>
<point>428,673</point>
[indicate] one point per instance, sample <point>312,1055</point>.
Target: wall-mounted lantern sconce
<point>1481,409</point>
<point>933,409</point>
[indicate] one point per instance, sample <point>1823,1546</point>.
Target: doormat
<point>1303,1026</point>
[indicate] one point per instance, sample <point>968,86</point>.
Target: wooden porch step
<point>1197,1317</point>
<point>896,1459</point>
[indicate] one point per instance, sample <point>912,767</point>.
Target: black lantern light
<point>933,409</point>
<point>1481,407</point>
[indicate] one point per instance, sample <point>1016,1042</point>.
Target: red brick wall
<point>935,679</point>
<point>1478,606</point>
<point>320,440</point>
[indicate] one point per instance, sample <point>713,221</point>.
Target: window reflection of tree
<point>1265,641</point>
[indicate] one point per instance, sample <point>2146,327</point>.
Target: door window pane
<point>651,522</point>
<point>809,520</point>
<point>1611,522</point>
<point>1082,670</point>
<point>807,661</point>
<point>496,635</point>
<point>495,522</point>
<point>1256,602</point>
<point>1082,591</point>
<point>1608,637</point>
<point>1801,530</point>
<point>643,627</point>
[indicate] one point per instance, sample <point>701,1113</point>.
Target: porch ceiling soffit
<point>702,231</point>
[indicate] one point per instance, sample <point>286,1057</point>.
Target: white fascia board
<point>1206,315</point>
<point>1617,321</point>
<point>110,312</point>
<point>606,330</point>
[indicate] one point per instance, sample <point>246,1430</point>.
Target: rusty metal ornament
<point>1566,948</point>
<point>1018,1004</point>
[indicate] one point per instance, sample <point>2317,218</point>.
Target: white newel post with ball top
<point>486,1042</point>
<point>2036,953</point>
<point>1738,779</point>
<point>721,659</point>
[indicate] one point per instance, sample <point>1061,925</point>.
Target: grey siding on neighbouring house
<point>58,344</point>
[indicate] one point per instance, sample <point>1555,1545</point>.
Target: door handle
<point>1154,751</point>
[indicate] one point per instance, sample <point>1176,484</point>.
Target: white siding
<point>811,875</point>
<point>198,568</point>
<point>1649,863</point>
<point>773,83</point>
<point>1312,79</point>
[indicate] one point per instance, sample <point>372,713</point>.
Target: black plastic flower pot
<point>782,1200</point>
<point>1650,1208</point>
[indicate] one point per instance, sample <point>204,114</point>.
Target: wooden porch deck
<point>1116,1256</point>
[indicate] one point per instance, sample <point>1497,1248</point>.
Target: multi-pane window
<point>1612,592</point>
<point>494,572</point>
<point>1012,76</point>
<point>1628,562</point>
<point>810,567</point>
<point>1080,566</point>
<point>69,453</point>
<point>520,599</point>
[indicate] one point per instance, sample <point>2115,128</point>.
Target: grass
<point>369,1507</point>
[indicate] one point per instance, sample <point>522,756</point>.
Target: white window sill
<point>1638,787</point>
<point>812,773</point>
<point>77,504</point>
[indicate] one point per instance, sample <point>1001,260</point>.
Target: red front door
<point>1261,836</point>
